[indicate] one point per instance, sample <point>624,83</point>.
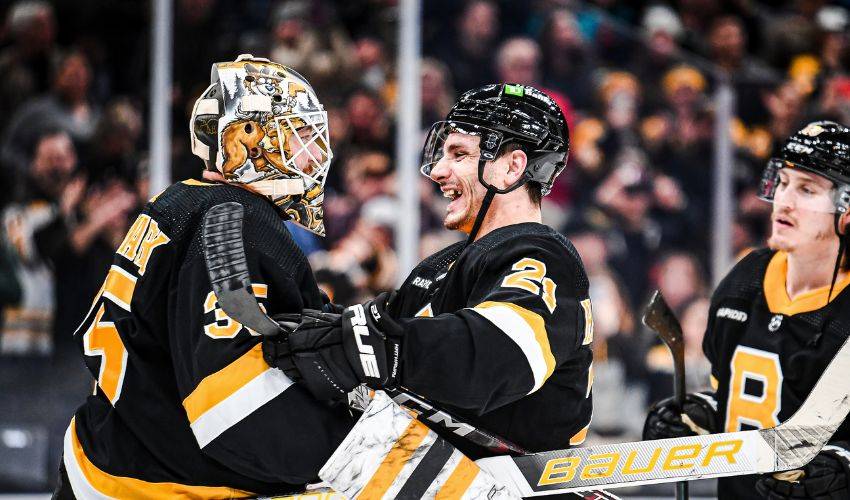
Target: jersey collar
<point>777,296</point>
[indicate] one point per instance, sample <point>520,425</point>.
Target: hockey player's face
<point>801,211</point>
<point>457,174</point>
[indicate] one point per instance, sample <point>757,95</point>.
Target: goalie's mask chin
<point>261,125</point>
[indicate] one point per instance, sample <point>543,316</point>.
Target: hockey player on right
<point>778,317</point>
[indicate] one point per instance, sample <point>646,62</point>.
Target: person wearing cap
<point>778,317</point>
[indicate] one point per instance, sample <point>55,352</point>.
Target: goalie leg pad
<point>389,454</point>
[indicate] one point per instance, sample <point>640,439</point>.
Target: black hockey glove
<point>664,419</point>
<point>331,354</point>
<point>826,477</point>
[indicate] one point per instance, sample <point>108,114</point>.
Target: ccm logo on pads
<point>733,314</point>
<point>367,352</point>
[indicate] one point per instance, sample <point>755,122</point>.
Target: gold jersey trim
<point>777,296</point>
<point>89,481</point>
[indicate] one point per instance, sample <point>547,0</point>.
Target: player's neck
<point>809,270</point>
<point>507,211</point>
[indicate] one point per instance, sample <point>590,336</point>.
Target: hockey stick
<point>790,445</point>
<point>228,270</point>
<point>660,318</point>
<point>227,267</point>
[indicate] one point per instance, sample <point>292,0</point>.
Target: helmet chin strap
<point>488,199</point>
<point>841,249</point>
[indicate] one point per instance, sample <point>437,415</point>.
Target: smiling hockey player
<point>779,316</point>
<point>496,330</point>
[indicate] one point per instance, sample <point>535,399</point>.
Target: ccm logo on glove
<point>367,352</point>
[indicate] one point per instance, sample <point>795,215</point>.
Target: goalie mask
<point>260,124</point>
<point>821,148</point>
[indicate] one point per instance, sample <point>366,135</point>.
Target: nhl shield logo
<point>775,322</point>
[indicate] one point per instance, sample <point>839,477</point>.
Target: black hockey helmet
<point>822,148</point>
<point>501,114</point>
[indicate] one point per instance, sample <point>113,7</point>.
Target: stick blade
<point>658,316</point>
<point>224,253</point>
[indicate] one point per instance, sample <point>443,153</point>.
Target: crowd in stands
<point>636,81</point>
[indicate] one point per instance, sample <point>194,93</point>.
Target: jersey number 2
<point>530,275</point>
<point>754,389</point>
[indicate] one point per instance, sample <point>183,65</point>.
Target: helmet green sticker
<point>517,90</point>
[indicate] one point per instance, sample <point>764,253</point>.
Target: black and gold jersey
<point>768,351</point>
<point>499,333</point>
<point>184,403</point>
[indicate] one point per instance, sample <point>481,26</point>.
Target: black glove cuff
<point>840,450</point>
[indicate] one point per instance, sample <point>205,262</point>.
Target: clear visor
<point>458,141</point>
<point>303,139</point>
<point>782,183</point>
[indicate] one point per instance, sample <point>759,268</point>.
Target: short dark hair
<point>533,188</point>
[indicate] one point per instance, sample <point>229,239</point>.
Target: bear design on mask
<point>241,141</point>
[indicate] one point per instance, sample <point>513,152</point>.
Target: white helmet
<point>252,111</point>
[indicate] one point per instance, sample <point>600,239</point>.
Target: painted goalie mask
<point>260,124</point>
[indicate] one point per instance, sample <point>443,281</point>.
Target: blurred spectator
<point>679,277</point>
<point>66,107</point>
<point>49,192</point>
<point>785,105</point>
<point>694,317</point>
<point>566,58</point>
<point>369,125</point>
<point>678,140</point>
<point>365,254</point>
<point>791,31</point>
<point>323,54</point>
<point>518,61</point>
<point>662,30</point>
<point>437,92</point>
<point>113,150</point>
<point>635,235</point>
<point>832,21</point>
<point>469,55</point>
<point>373,66</point>
<point>727,49</point>
<point>25,62</point>
<point>618,389</point>
<point>365,177</point>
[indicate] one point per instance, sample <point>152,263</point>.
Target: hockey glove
<point>666,420</point>
<point>826,477</point>
<point>331,354</point>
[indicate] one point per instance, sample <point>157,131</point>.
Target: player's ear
<point>517,160</point>
<point>844,223</point>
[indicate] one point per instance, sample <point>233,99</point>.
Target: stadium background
<point>640,84</point>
